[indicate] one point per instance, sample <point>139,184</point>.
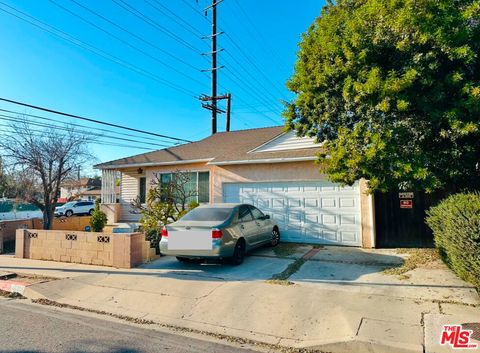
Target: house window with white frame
<point>198,184</point>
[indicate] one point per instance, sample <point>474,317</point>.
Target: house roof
<point>233,147</point>
<point>82,182</point>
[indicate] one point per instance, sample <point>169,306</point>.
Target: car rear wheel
<point>275,237</point>
<point>238,253</point>
<point>90,212</point>
<point>69,213</point>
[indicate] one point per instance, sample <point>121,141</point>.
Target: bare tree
<point>42,160</point>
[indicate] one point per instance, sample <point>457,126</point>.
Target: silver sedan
<point>224,230</point>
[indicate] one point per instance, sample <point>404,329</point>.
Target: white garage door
<point>311,212</point>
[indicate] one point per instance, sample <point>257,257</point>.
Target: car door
<point>82,207</point>
<point>247,225</point>
<point>263,224</point>
<point>76,208</point>
<point>89,206</point>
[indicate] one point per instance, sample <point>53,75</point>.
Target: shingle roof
<point>82,182</point>
<point>220,147</point>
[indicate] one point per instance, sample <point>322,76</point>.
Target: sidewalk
<point>342,315</point>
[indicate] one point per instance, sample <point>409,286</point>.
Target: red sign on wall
<point>406,203</point>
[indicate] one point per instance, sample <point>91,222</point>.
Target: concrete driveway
<point>254,268</point>
<point>334,298</point>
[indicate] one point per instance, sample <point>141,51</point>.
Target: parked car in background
<point>75,208</point>
<point>219,231</point>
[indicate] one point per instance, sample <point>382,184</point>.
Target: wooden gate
<point>400,218</point>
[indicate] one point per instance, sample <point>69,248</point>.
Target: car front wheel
<point>69,213</point>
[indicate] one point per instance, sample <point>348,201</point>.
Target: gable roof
<point>233,147</point>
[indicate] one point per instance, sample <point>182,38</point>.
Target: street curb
<point>13,286</point>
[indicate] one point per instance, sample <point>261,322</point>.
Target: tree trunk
<point>48,218</point>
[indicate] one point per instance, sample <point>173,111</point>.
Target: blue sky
<point>260,50</point>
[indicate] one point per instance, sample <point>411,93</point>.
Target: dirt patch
<point>28,278</point>
<point>416,258</point>
<point>122,317</point>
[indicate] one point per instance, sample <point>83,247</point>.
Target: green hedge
<point>456,228</point>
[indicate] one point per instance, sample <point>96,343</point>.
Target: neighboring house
<point>266,167</point>
<point>83,189</point>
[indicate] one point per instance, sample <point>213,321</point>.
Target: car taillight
<point>216,233</point>
<point>164,232</point>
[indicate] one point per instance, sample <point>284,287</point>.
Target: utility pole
<point>213,98</point>
<point>229,110</point>
<point>214,67</point>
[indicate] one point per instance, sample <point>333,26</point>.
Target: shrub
<point>99,218</point>
<point>456,228</point>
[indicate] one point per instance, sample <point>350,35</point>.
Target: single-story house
<point>81,189</point>
<point>267,167</point>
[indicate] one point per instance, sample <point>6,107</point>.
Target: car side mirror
<point>266,216</point>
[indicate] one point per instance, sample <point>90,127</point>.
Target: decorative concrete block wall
<point>124,250</point>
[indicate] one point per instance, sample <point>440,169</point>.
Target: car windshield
<point>213,214</point>
<point>69,204</point>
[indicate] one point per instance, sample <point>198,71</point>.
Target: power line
<point>85,126</point>
<point>139,14</point>
<point>65,36</point>
<point>272,53</point>
<point>125,42</point>
<point>252,89</point>
<point>252,62</point>
<point>42,133</point>
<point>16,119</point>
<point>174,17</point>
<point>249,86</point>
<point>91,120</point>
<point>153,45</point>
<point>231,39</point>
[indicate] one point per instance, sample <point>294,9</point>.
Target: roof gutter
<point>150,164</point>
<point>265,161</point>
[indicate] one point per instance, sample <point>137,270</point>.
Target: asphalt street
<point>32,328</point>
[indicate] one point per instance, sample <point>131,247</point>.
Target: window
<point>244,214</point>
<point>143,189</point>
<point>257,214</point>
<point>198,184</point>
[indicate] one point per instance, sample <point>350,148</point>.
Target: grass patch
<point>285,249</point>
<point>416,258</point>
<point>290,270</point>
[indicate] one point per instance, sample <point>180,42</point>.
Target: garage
<point>318,212</point>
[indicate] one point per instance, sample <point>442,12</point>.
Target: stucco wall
<point>298,171</point>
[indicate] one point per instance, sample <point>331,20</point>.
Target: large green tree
<point>392,88</point>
